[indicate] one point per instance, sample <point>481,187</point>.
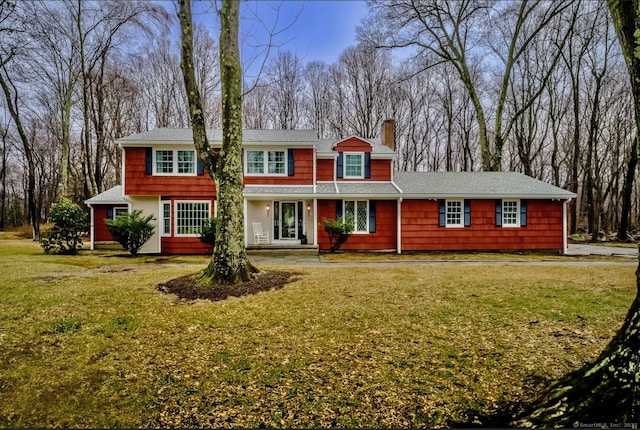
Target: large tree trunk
<point>607,391</point>
<point>229,262</point>
<point>627,191</point>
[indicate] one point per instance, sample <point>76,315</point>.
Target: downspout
<point>91,229</point>
<point>399,222</point>
<point>565,239</point>
<point>246,227</point>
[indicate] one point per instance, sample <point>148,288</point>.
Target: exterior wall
<point>420,230</point>
<point>324,169</point>
<point>100,231</point>
<point>386,227</point>
<point>380,170</point>
<point>303,172</point>
<point>137,183</point>
<point>183,245</point>
<point>149,206</point>
<point>256,212</point>
<point>353,144</point>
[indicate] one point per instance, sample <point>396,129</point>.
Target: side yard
<point>88,341</point>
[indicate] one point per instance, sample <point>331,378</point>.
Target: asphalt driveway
<point>586,249</point>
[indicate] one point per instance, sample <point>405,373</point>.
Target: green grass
<point>87,341</point>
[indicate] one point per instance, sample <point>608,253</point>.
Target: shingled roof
<point>185,136</point>
<point>477,185</point>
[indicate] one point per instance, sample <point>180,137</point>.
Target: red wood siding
<point>303,172</point>
<point>100,230</point>
<point>184,245</point>
<point>420,230</point>
<point>383,238</point>
<point>324,170</point>
<point>138,184</point>
<point>353,144</point>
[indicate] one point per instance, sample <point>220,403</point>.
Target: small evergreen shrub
<point>208,232</point>
<point>339,230</point>
<point>131,230</point>
<point>70,223</point>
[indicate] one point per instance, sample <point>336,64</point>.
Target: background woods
<point>533,86</point>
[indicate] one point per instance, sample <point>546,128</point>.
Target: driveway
<point>586,249</point>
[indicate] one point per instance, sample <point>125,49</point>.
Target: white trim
<point>446,213</point>
<point>315,222</point>
<point>162,218</point>
<point>518,223</point>
<point>565,238</point>
<point>174,162</point>
<point>399,226</point>
<point>175,216</point>
<point>265,162</point>
<point>344,165</point>
<point>355,214</point>
<point>91,229</point>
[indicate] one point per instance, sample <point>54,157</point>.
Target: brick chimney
<point>388,133</point>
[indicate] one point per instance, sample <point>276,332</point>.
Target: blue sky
<point>323,29</point>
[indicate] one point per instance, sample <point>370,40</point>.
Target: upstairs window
<point>265,162</point>
<point>353,165</point>
<point>174,162</point>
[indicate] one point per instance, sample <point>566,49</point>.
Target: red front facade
<point>290,187</point>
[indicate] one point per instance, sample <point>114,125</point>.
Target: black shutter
<point>467,213</point>
<point>338,209</point>
<point>148,161</point>
<point>276,220</point>
<point>109,213</point>
<point>340,165</point>
<point>200,168</point>
<point>442,215</point>
<point>290,162</point>
<point>523,213</point>
<point>498,213</point>
<point>367,165</point>
<point>300,215</point>
<point>372,216</point>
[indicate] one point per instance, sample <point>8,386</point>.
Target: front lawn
<point>89,341</point>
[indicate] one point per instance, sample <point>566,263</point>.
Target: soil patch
<point>187,287</point>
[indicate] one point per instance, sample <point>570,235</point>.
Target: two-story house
<point>292,181</point>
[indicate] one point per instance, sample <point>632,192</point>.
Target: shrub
<point>69,225</point>
<point>339,231</point>
<point>131,230</point>
<point>208,232</point>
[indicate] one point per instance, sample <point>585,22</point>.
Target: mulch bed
<point>187,287</point>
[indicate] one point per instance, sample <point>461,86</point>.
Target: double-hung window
<point>189,217</point>
<point>353,165</point>
<point>359,210</point>
<point>117,211</point>
<point>511,213</point>
<point>265,162</point>
<point>454,213</point>
<point>175,162</point>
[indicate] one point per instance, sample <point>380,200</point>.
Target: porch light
<point>308,209</point>
<point>268,207</point>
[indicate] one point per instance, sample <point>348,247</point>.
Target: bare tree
<point>229,262</point>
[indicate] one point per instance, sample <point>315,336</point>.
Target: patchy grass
<point>88,341</point>
<point>354,256</point>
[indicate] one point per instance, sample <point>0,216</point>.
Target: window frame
<point>176,218</point>
<point>266,163</point>
<point>120,209</point>
<point>175,162</point>
<point>449,211</point>
<point>166,220</point>
<point>345,165</point>
<point>517,222</point>
<point>355,212</point>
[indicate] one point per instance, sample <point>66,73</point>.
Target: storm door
<point>288,220</point>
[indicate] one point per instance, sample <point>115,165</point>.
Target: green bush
<point>339,231</point>
<point>70,223</point>
<point>208,232</point>
<point>131,230</point>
